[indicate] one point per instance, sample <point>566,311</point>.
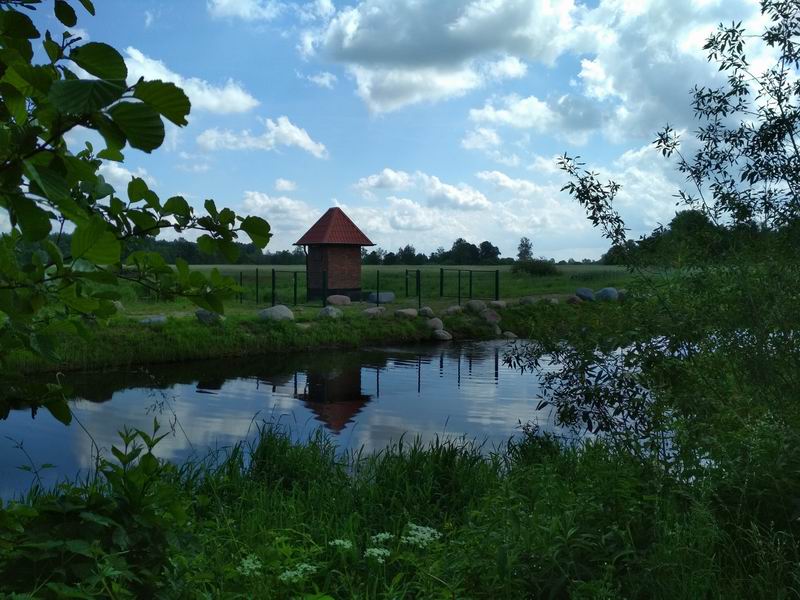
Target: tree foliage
<point>46,189</point>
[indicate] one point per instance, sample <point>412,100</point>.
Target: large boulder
<point>406,313</point>
<point>434,323</point>
<point>375,311</point>
<point>527,300</point>
<point>553,301</point>
<point>609,294</point>
<point>498,304</point>
<point>476,306</point>
<point>208,317</point>
<point>490,316</point>
<point>154,320</point>
<point>426,311</point>
<point>585,294</point>
<point>574,300</point>
<point>509,335</point>
<point>276,313</point>
<point>385,297</point>
<point>329,312</point>
<point>442,335</point>
<point>453,310</point>
<point>337,300</point>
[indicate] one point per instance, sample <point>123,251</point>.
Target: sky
<point>424,120</point>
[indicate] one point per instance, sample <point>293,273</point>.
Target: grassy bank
<point>281,520</point>
<point>124,341</point>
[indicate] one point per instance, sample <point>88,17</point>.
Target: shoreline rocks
<point>278,312</point>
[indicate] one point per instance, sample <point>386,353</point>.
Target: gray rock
<point>276,313</point>
<point>154,320</point>
<point>453,310</point>
<point>585,294</point>
<point>623,293</point>
<point>375,311</point>
<point>329,312</point>
<point>304,326</point>
<point>574,300</point>
<point>207,317</point>
<point>385,298</point>
<point>496,330</point>
<point>434,323</point>
<point>490,316</point>
<point>510,335</point>
<point>553,300</point>
<point>608,294</point>
<point>498,304</point>
<point>426,311</point>
<point>527,300</point>
<point>476,306</point>
<point>338,300</point>
<point>406,313</point>
<point>442,335</point>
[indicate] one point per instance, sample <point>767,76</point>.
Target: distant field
<point>393,278</point>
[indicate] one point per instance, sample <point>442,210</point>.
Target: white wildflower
<point>379,554</point>
<point>381,538</point>
<point>297,574</point>
<point>250,565</point>
<point>343,544</point>
<point>420,536</point>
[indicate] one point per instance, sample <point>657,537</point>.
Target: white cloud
<point>387,179</point>
<point>407,215</point>
<point>460,196</point>
<point>119,177</point>
<point>285,185</point>
<point>520,187</point>
<point>597,82</point>
<point>149,17</point>
<point>481,138</point>
<point>228,98</point>
<point>509,67</point>
<point>278,133</point>
<point>288,218</point>
<point>248,10</point>
<point>322,79</point>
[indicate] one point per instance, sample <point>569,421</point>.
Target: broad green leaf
<point>206,244</point>
<point>18,25</point>
<point>33,221</point>
<point>84,304</point>
<point>83,96</point>
<point>29,80</point>
<point>15,102</point>
<point>137,189</point>
<point>65,13</point>
<point>60,410</point>
<point>229,250</point>
<point>87,4</point>
<point>167,98</point>
<point>177,205</point>
<point>101,60</point>
<point>51,183</point>
<point>258,230</point>
<point>140,124</point>
<point>94,242</point>
<point>211,208</point>
<point>113,136</point>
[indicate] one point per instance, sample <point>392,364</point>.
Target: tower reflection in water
<point>334,396</point>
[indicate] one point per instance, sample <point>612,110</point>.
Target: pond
<point>366,398</point>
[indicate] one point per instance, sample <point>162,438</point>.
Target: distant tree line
<point>461,252</point>
<point>692,238</point>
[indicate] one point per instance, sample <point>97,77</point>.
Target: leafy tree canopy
<point>47,189</point>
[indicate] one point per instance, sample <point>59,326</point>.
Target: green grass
<point>535,520</point>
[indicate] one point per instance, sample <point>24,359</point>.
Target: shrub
<point>537,267</point>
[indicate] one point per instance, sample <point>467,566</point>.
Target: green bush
<point>537,267</point>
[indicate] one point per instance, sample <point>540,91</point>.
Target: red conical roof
<point>334,227</point>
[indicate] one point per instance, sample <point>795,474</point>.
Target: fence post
<point>459,287</point>
<point>419,290</point>
<point>324,288</point>
<point>497,284</point>
<point>273,287</point>
<point>294,277</point>
<point>441,282</point>
<point>257,297</point>
<point>406,278</point>
<point>470,285</point>
<point>241,283</point>
<point>378,293</point>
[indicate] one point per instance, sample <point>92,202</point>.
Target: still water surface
<point>366,398</point>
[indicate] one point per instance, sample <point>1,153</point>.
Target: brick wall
<point>343,264</point>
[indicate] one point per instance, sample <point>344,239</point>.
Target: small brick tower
<point>333,251</point>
